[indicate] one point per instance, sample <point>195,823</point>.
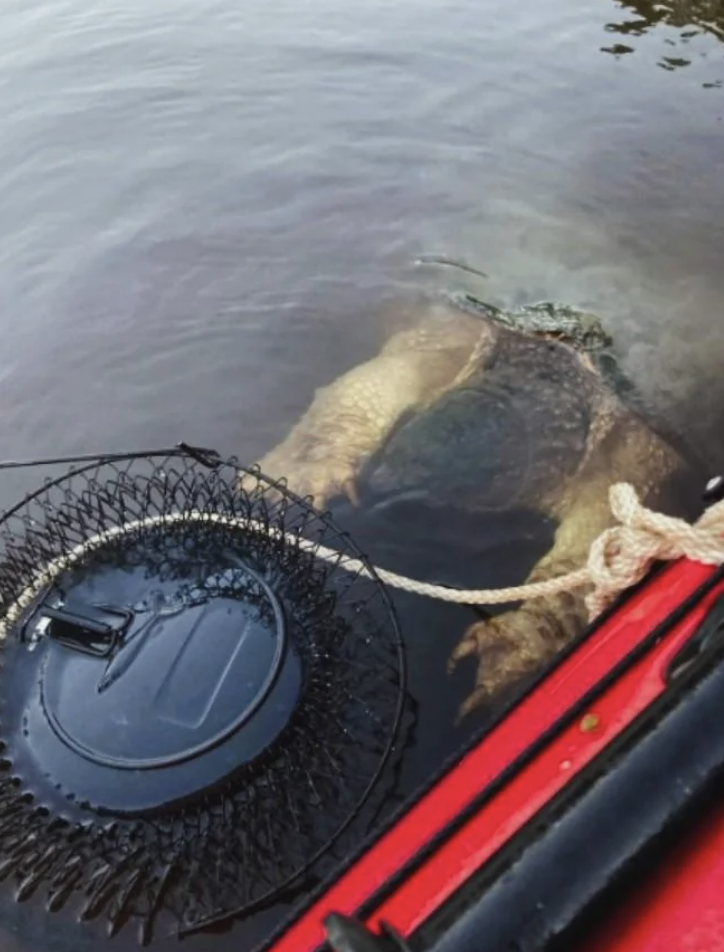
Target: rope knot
<point>621,556</point>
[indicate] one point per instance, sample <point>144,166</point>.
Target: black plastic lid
<point>138,693</point>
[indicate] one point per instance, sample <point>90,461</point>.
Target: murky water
<point>205,208</point>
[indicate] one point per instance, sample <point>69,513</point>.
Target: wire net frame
<point>246,844</point>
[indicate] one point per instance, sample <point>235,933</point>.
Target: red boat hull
<point>548,740</point>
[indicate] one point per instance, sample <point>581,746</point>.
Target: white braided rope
<point>621,556</point>
<point>618,558</point>
<point>48,573</point>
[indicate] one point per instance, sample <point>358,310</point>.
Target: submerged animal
<point>486,411</point>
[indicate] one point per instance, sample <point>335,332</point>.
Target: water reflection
<point>685,20</point>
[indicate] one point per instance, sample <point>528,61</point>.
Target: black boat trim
<point>580,845</point>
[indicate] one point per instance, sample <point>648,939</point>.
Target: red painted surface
<point>504,814</point>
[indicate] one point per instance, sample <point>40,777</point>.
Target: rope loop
<point>621,556</point>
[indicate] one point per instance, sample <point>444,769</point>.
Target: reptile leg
<point>517,643</point>
<point>351,417</point>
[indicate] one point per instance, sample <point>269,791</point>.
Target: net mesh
<point>248,841</point>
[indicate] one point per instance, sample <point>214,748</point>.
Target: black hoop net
<point>195,705</point>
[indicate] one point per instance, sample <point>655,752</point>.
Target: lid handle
<point>90,629</point>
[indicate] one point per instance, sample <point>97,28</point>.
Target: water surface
<point>205,209</point>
